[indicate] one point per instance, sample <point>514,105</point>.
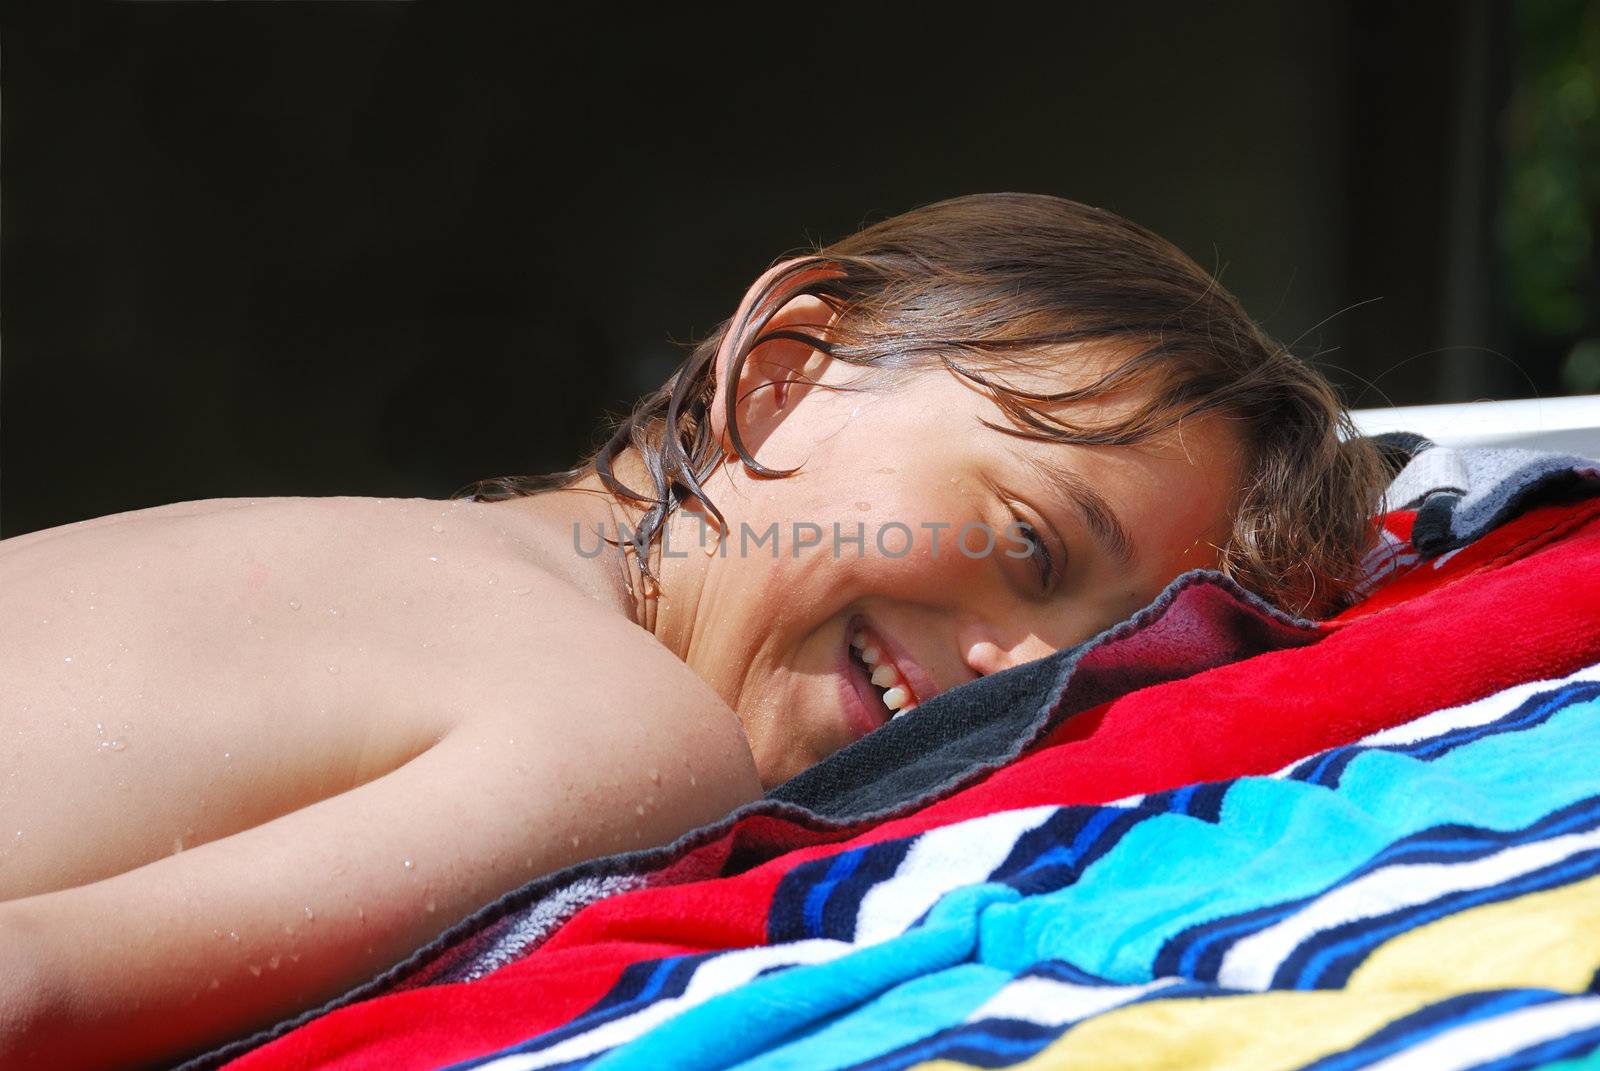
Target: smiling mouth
<point>878,683</point>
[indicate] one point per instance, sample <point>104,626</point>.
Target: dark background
<point>390,248</point>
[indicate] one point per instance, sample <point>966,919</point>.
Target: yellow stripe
<point>1259,1032</point>
<point>1544,940</point>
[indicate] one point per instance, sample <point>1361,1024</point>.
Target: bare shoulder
<point>174,510</point>
<point>618,717</point>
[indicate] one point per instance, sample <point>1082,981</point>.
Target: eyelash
<point>1046,564</point>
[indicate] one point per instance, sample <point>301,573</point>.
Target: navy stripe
<point>1529,714</point>
<point>878,864</point>
<point>822,897</point>
<point>1065,846</point>
<point>999,1042</point>
<point>1429,1022</point>
<point>1327,960</point>
<point>1564,1048</point>
<point>1202,801</point>
<point>1198,951</point>
<point>1328,768</point>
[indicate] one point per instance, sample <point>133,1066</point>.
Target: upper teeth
<point>884,675</point>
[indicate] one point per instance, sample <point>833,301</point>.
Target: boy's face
<point>912,466</point>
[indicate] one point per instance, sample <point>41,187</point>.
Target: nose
<point>985,654</point>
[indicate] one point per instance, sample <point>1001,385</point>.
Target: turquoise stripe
<point>757,1016</point>
<point>1279,840</point>
<point>1275,840</point>
<point>903,1016</point>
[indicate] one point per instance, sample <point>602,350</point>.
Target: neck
<point>568,524</point>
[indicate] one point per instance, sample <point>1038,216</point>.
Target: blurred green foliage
<point>1550,211</point>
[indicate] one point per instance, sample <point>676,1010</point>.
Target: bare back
<point>172,678</point>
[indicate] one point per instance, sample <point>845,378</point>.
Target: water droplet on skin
<point>431,905</point>
<point>426,644</point>
<point>113,745</point>
<point>274,961</point>
<point>288,930</point>
<point>492,580</point>
<point>233,935</point>
<point>333,611</point>
<point>310,915</point>
<point>692,781</point>
<point>361,914</point>
<point>863,505</point>
<point>67,659</point>
<point>639,809</point>
<point>19,833</point>
<point>410,865</point>
<point>437,527</point>
<point>227,754</point>
<point>255,969</point>
<point>294,957</point>
<point>333,669</point>
<point>522,591</point>
<point>433,557</point>
<point>528,862</point>
<point>177,845</point>
<point>294,604</point>
<point>655,775</point>
<point>576,840</point>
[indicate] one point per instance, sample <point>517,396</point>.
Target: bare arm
<point>186,952</point>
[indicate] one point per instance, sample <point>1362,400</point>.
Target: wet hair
<point>987,282</point>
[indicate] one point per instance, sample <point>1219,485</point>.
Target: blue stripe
<point>1318,962</point>
<point>1531,712</point>
<point>1564,1048</point>
<point>1430,1022</point>
<point>817,896</point>
<point>1451,843</point>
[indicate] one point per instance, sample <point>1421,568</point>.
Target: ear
<point>777,372</point>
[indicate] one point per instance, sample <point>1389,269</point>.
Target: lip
<point>864,709</point>
<point>917,682</point>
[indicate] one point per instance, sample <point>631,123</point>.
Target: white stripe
<point>1252,961</point>
<point>712,978</point>
<point>1048,1002</point>
<point>1479,712</point>
<point>1494,1038</point>
<point>940,861</point>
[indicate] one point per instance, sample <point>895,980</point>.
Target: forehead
<point>1146,504</point>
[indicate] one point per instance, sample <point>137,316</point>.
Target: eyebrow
<point>1102,519</point>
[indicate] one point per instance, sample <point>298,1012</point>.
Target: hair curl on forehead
<point>991,283</point>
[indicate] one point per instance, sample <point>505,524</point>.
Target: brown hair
<point>977,283</point>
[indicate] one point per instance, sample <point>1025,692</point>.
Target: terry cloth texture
<point>1053,899</point>
<point>970,730</point>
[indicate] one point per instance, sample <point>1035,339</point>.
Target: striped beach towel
<point>1230,839</point>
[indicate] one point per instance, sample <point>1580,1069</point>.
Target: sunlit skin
<point>918,454</point>
<point>298,738</point>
